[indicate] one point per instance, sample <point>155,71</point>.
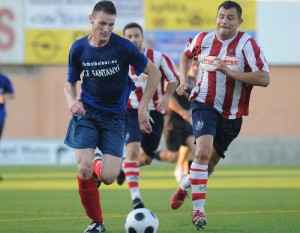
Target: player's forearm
<point>70,91</point>
<point>257,78</point>
<point>185,65</point>
<point>154,77</point>
<point>171,87</point>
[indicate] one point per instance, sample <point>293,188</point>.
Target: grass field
<point>243,199</point>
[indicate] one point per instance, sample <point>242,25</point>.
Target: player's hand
<point>180,90</point>
<point>144,121</point>
<point>162,103</point>
<point>222,67</point>
<point>2,99</point>
<point>76,108</point>
<point>183,89</point>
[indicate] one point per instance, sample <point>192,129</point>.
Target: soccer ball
<point>141,221</point>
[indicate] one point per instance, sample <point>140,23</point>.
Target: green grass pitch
<point>44,199</point>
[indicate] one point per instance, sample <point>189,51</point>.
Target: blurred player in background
<point>141,147</point>
<point>178,131</point>
<point>231,64</point>
<point>6,93</point>
<point>99,117</point>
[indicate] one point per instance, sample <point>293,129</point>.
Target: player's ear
<point>91,18</point>
<point>240,21</point>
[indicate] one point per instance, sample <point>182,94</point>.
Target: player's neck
<point>96,42</point>
<point>226,37</point>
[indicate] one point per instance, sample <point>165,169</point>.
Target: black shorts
<point>149,142</point>
<point>176,132</point>
<point>207,121</point>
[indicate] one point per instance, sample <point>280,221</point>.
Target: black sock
<point>190,163</point>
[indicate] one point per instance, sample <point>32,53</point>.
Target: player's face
<point>135,36</point>
<point>227,23</point>
<point>102,26</point>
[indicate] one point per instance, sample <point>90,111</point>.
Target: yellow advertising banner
<point>192,14</point>
<point>49,46</point>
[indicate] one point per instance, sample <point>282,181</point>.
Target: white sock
<point>185,182</point>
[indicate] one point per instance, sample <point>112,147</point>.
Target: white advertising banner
<point>73,14</point>
<point>11,32</point>
<point>128,12</point>
<point>35,152</point>
<point>279,36</point>
<point>58,14</point>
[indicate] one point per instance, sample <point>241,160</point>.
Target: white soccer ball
<point>141,221</point>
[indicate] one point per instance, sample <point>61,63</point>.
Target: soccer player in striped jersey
<point>101,60</point>
<point>231,63</point>
<point>141,147</point>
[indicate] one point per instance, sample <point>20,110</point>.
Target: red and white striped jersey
<point>169,73</point>
<point>228,96</point>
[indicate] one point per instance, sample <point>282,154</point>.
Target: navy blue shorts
<point>208,121</point>
<point>98,129</point>
<point>149,142</point>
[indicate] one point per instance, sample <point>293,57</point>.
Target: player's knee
<point>203,153</point>
<point>107,179</point>
<point>146,160</point>
<point>169,156</point>
<point>85,173</point>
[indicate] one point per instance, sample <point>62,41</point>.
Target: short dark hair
<point>132,25</point>
<point>231,4</point>
<point>105,6</point>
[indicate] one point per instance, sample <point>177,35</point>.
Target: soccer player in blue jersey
<point>101,60</point>
<point>6,92</point>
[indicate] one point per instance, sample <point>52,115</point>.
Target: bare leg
<point>181,162</point>
<point>213,161</point>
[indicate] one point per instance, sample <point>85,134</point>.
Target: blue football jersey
<point>106,84</point>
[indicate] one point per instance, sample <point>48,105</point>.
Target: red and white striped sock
<point>132,174</point>
<point>198,179</point>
